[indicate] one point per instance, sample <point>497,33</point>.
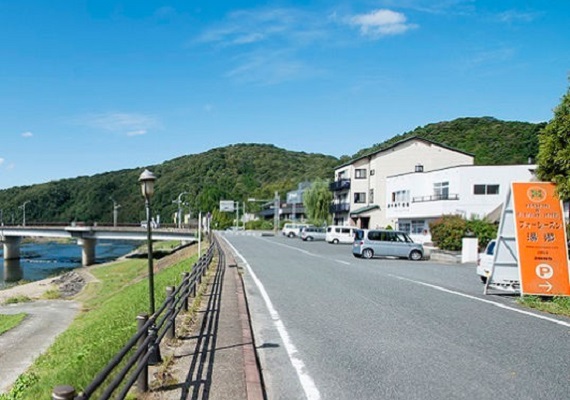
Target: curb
<point>253,381</point>
<point>253,384</point>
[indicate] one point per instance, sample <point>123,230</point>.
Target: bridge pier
<point>12,247</point>
<point>87,251</point>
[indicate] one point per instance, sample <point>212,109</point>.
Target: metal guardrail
<point>435,197</point>
<point>143,346</point>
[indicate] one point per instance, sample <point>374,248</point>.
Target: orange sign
<point>541,239</point>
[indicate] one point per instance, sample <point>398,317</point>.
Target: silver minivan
<point>385,243</point>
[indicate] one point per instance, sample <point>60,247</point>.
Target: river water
<point>42,260</point>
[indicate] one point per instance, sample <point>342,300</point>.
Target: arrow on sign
<point>546,285</point>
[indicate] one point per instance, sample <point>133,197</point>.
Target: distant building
<point>359,188</point>
<point>415,199</point>
<point>291,209</point>
<point>415,181</point>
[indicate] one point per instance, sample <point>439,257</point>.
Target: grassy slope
<point>105,325</point>
<point>10,321</point>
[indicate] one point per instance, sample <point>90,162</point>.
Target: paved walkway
<point>20,346</point>
<point>214,357</point>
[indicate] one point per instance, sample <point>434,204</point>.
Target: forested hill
<point>491,141</point>
<point>242,171</point>
<point>235,172</point>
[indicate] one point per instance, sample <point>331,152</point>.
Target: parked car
<point>485,261</point>
<point>311,233</point>
<point>340,234</point>
<point>386,243</point>
<point>293,229</point>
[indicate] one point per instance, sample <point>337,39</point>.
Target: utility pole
<point>276,213</point>
<point>1,218</point>
<point>23,206</point>
<point>115,211</point>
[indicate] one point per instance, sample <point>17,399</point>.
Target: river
<point>40,260</point>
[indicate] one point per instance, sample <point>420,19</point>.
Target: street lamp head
<point>147,179</point>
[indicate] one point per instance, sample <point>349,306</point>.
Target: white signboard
<point>227,205</point>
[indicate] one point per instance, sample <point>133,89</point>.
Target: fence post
<point>186,293</point>
<point>171,332</point>
<point>63,392</point>
<point>142,379</point>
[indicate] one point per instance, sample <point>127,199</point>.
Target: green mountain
<point>491,141</point>
<point>235,172</point>
<point>242,171</point>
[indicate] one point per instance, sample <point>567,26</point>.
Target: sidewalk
<point>214,356</point>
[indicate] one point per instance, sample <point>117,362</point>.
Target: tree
<point>554,149</point>
<point>317,200</point>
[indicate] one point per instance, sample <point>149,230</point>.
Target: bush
<point>448,231</point>
<point>259,224</point>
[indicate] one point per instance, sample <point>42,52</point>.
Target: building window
<point>404,227</point>
<point>485,189</point>
<point>401,196</point>
<point>360,173</point>
<point>371,195</point>
<point>359,198</point>
<point>441,190</point>
<point>418,226</point>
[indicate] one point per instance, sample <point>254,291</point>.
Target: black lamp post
<point>147,180</point>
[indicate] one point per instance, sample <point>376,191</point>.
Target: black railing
<point>341,184</point>
<point>435,197</point>
<point>339,208</point>
<point>144,344</point>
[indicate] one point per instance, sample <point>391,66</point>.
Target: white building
<point>359,189</point>
<point>413,200</point>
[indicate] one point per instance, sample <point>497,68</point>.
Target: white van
<point>292,229</point>
<point>340,234</point>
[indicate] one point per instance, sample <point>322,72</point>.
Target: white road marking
<point>306,252</point>
<point>307,382</point>
<point>494,303</point>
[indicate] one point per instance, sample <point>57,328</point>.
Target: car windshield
<point>358,234</point>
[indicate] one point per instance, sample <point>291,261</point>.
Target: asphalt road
<point>330,326</point>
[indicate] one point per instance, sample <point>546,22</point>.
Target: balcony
<point>435,197</point>
<point>341,184</point>
<point>339,208</point>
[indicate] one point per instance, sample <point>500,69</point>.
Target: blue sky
<point>93,86</point>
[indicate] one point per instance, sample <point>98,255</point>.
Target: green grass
<point>17,299</point>
<point>102,329</point>
<point>552,305</point>
<point>9,321</point>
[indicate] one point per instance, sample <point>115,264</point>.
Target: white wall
<point>461,182</point>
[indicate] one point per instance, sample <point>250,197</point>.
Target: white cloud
<point>511,16</point>
<point>248,27</point>
<point>137,132</point>
<point>1,161</point>
<point>381,22</point>
<point>130,124</point>
<point>27,134</point>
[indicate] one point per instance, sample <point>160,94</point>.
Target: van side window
<point>374,235</point>
<point>346,230</point>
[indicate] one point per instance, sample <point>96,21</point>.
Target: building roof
<point>362,210</point>
<point>411,138</point>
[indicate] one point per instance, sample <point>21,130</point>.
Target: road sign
<point>541,239</point>
<point>227,206</point>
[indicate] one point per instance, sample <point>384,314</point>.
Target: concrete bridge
<point>86,236</point>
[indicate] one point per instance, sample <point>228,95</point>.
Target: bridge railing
<point>130,364</point>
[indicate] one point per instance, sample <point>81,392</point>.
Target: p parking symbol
<point>544,271</point>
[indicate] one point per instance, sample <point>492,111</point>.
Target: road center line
<point>307,382</point>
<point>494,303</point>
